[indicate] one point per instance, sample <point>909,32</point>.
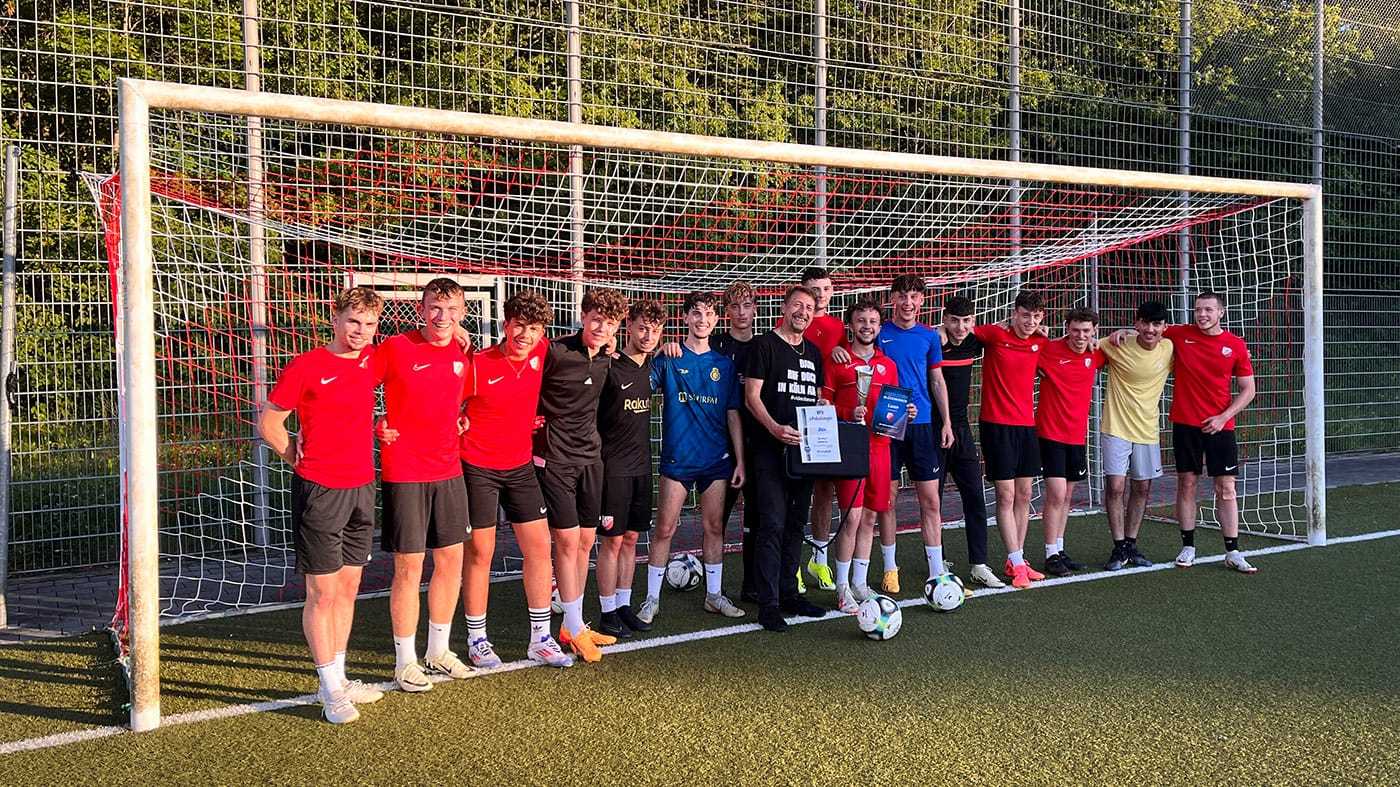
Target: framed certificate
<point>890,414</point>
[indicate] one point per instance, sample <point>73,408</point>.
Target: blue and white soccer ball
<point>684,572</point>
<point>879,617</point>
<point>944,592</point>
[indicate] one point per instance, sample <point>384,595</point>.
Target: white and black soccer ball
<point>684,572</point>
<point>879,617</point>
<point>944,592</point>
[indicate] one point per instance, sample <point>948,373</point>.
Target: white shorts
<point>1138,461</point>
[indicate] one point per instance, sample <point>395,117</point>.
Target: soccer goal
<point>237,216</point>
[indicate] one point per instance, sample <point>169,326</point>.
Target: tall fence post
<point>7,369</point>
<point>257,258</point>
<point>1183,159</point>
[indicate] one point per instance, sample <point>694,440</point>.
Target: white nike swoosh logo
<point>1067,360</point>
<point>1231,467</point>
<point>544,511</point>
<point>685,371</point>
<point>626,386</point>
<point>1189,341</point>
<point>498,379</point>
<point>328,380</point>
<point>418,367</point>
<point>589,381</point>
<point>886,341</point>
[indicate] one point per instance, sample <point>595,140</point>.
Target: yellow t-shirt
<point>1133,406</point>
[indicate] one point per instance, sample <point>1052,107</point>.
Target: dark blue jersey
<point>697,390</point>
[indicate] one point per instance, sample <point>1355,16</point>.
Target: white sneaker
<point>412,679</point>
<point>339,709</point>
<point>863,593</point>
<point>447,664</point>
<point>547,651</point>
<point>721,604</point>
<point>482,655</point>
<point>984,576</point>
<point>1186,557</point>
<point>361,693</point>
<point>846,600</point>
<point>1237,562</point>
<point>650,607</point>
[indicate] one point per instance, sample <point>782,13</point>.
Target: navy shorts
<point>919,451</point>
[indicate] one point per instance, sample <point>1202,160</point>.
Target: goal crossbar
<point>137,341</point>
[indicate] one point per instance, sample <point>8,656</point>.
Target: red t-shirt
<point>840,387</point>
<point>1201,377</point>
<point>334,401</point>
<point>423,397</point>
<point>826,332</point>
<point>1066,390</point>
<point>1008,375</point>
<point>501,396</point>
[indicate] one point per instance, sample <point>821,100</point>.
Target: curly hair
<point>529,307</point>
<point>359,299</point>
<point>738,292</point>
<point>698,298</point>
<point>647,311</point>
<point>609,303</point>
<point>863,305</point>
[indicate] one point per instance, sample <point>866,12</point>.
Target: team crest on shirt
<point>535,363</point>
<point>364,364</point>
<point>1225,351</point>
<point>1035,348</point>
<point>714,373</point>
<point>1088,362</point>
<point>457,368</point>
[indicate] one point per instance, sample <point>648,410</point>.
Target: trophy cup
<point>864,374</point>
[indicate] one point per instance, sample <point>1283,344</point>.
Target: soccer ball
<point>944,592</point>
<point>684,572</point>
<point>556,604</point>
<point>879,617</point>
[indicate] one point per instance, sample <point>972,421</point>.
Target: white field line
<point>230,711</point>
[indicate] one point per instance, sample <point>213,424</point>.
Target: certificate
<point>890,415</point>
<point>820,442</point>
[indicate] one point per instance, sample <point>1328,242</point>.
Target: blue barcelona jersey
<point>698,391</point>
<point>914,351</point>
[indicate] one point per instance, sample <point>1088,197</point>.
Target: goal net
<point>257,221</point>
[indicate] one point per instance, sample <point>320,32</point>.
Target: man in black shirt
<point>568,455</point>
<point>624,423</point>
<point>783,372</point>
<point>961,348</point>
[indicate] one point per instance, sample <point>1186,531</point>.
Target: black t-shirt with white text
<point>791,376</point>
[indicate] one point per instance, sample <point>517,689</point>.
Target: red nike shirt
<point>333,398</point>
<point>423,397</point>
<point>1066,391</point>
<point>1204,367</point>
<point>1008,375</point>
<point>501,397</point>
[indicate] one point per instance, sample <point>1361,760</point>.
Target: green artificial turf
<point>1166,677</point>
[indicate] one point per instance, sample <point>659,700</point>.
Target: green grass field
<point>1153,677</point>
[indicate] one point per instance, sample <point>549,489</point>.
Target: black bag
<point>855,456</point>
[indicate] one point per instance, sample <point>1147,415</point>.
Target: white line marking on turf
<point>231,711</point>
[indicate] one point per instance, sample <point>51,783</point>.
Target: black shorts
<point>573,494</point>
<point>627,505</point>
<point>1191,443</point>
<point>1062,460</point>
<point>423,515</point>
<point>1009,452</point>
<point>331,528</point>
<point>514,491</point>
<point>919,451</point>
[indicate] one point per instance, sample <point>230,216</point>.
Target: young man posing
<point>1203,414</point>
<point>1067,367</point>
<point>500,394</point>
<point>740,308</point>
<point>331,389</point>
<point>1007,424</point>
<point>568,455</point>
<point>699,423</point>
<point>1129,433</point>
<point>826,332</point>
<point>624,424</point>
<point>425,502</point>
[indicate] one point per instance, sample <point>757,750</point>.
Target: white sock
<point>1059,545</point>
<point>476,628</point>
<point>860,572</point>
<point>573,616</point>
<point>819,551</point>
<point>887,553</point>
<point>405,650</point>
<point>714,578</point>
<point>1017,558</point>
<point>438,634</point>
<point>624,597</point>
<point>608,603</point>
<point>654,576</point>
<point>340,667</point>
<point>1051,550</point>
<point>330,681</point>
<point>539,623</point>
<point>935,560</point>
<point>843,572</point>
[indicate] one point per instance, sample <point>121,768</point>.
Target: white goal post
<point>137,334</point>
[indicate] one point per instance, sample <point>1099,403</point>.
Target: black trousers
<point>750,523</point>
<point>783,504</point>
<point>965,466</point>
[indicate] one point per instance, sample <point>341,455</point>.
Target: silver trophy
<point>864,374</point>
